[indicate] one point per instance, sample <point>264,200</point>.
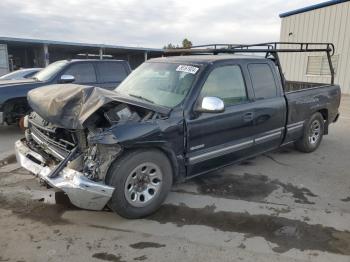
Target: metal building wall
<point>4,65</point>
<point>327,24</point>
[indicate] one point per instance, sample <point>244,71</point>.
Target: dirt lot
<point>282,206</point>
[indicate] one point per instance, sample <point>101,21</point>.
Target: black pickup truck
<point>103,73</point>
<point>172,118</point>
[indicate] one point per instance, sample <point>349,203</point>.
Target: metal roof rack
<point>269,48</point>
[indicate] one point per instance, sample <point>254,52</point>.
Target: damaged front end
<point>65,160</point>
<point>77,160</point>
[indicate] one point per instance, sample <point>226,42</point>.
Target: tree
<point>169,46</point>
<point>186,43</point>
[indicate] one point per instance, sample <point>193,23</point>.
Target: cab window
<point>227,83</point>
<point>264,84</point>
<point>111,72</point>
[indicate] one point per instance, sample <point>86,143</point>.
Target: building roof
<point>62,43</point>
<point>312,7</point>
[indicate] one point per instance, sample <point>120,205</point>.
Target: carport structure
<point>39,53</point>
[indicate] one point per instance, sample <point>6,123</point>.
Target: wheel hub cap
<point>315,130</point>
<point>143,184</point>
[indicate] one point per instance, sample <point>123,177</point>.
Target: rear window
<point>263,81</point>
<point>111,72</point>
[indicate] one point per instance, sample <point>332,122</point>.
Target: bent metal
<point>171,119</point>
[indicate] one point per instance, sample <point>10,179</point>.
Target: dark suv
<point>102,73</point>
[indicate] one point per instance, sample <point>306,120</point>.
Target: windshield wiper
<point>142,98</point>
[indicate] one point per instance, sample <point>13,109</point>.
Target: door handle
<point>247,117</point>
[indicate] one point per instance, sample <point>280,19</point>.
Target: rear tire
<point>142,180</point>
<point>312,134</point>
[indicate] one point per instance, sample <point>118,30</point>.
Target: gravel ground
<point>282,206</point>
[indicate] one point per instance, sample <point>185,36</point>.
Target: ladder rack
<point>269,48</point>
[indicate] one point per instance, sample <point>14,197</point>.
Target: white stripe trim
<point>267,136</point>
<point>296,124</point>
<point>220,151</point>
<point>294,127</point>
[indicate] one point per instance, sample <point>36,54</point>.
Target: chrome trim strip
<point>219,152</point>
<point>230,149</point>
<point>294,127</point>
<point>54,152</point>
<point>296,124</point>
<point>267,137</point>
<point>1,118</point>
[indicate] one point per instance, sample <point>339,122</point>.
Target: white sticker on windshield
<point>187,69</point>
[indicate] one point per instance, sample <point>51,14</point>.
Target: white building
<point>325,22</point>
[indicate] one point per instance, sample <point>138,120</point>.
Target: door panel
<point>211,137</point>
<point>269,120</point>
<point>269,107</point>
<point>215,139</point>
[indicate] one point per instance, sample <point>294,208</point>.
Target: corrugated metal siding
<point>328,24</point>
<point>4,66</point>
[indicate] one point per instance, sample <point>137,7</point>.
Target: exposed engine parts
<point>113,114</point>
<point>120,113</point>
<point>97,160</point>
<point>96,148</point>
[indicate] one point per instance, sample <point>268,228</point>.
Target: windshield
<point>48,72</point>
<point>163,84</point>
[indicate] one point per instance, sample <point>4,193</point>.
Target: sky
<point>152,23</point>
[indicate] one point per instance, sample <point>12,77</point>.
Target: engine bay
<point>92,159</point>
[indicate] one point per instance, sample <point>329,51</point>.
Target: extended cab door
<point>111,74</point>
<point>270,108</point>
<point>216,139</point>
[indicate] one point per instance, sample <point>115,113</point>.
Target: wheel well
<point>324,113</point>
<point>14,109</point>
<point>167,152</point>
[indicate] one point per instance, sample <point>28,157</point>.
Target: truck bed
<point>306,99</point>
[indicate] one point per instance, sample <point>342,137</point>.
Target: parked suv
<point>107,74</point>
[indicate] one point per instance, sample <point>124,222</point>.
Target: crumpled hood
<point>70,105</point>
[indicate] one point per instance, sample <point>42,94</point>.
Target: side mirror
<point>65,79</point>
<point>211,104</point>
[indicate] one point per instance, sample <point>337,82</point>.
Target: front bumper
<point>81,191</point>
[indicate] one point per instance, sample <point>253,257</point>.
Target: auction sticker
<point>187,69</point>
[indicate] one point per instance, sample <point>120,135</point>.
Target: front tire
<point>312,134</point>
<point>142,180</point>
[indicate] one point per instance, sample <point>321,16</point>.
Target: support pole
<point>146,55</point>
<point>101,53</point>
<point>331,68</point>
<point>46,55</point>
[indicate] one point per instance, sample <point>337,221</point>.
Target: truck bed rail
<point>292,86</point>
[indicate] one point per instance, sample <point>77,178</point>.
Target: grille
<point>57,142</point>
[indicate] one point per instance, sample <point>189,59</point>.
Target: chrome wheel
<point>315,132</point>
<point>143,184</point>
